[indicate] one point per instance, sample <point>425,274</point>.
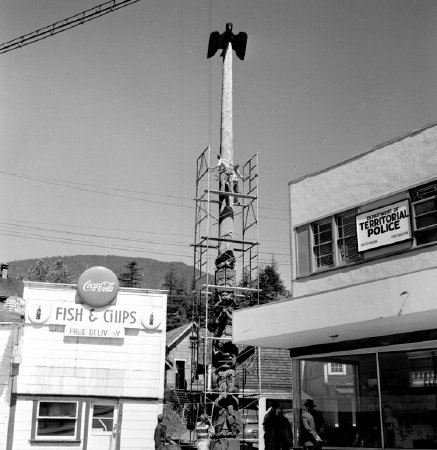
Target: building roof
<point>178,334</point>
<point>7,316</point>
<point>10,287</point>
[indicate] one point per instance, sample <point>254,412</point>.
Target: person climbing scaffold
<point>229,174</point>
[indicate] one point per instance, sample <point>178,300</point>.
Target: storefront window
<point>56,419</point>
<point>409,398</point>
<point>341,396</point>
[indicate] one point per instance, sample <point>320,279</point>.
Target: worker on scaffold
<point>229,174</point>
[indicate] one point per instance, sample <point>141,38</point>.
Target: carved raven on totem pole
<point>220,41</point>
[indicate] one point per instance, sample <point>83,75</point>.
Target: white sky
<point>124,105</point>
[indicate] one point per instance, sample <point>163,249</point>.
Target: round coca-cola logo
<point>98,286</point>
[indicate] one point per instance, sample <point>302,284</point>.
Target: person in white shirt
<point>204,431</point>
<point>231,173</point>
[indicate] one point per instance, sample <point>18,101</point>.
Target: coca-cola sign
<point>98,286</point>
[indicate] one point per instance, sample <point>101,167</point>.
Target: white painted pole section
<point>226,218</point>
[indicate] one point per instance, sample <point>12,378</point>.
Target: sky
<point>101,125</point>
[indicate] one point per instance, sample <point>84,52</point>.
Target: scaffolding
<point>245,240</point>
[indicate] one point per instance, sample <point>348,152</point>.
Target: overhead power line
<point>66,24</point>
<point>103,190</point>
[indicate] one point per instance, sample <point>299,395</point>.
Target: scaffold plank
<point>229,288</point>
<point>235,241</point>
<point>213,191</point>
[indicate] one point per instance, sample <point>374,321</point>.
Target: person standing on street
<point>311,429</point>
<point>278,434</point>
<point>161,438</point>
<point>204,431</point>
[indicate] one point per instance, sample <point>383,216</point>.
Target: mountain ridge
<point>153,271</point>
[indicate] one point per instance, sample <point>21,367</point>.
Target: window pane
<point>426,207</point>
<point>426,220</point>
<point>409,398</point>
<point>423,237</point>
<point>346,412</point>
<point>56,427</point>
<point>103,417</point>
<point>303,250</point>
<point>57,409</point>
<point>323,250</point>
<point>347,242</point>
<point>103,424</point>
<point>425,215</point>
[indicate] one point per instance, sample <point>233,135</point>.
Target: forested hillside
<point>153,271</point>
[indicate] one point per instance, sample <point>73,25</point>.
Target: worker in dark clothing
<point>161,438</point>
<point>278,434</point>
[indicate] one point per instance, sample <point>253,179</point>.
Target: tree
<point>38,272</point>
<point>131,277</point>
<point>58,272</point>
<point>270,283</point>
<point>178,304</point>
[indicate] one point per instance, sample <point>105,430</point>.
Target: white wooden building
<point>91,375</point>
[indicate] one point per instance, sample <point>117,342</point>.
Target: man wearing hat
<point>312,425</point>
<point>161,438</point>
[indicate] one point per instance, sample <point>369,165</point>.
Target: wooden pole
<point>226,216</point>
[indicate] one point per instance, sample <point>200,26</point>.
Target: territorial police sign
<point>384,226</point>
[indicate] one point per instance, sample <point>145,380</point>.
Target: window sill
<point>55,441</point>
<point>363,262</point>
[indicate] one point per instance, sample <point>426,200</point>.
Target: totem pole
<point>224,358</point>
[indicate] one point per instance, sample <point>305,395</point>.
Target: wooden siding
<point>6,345</point>
<point>138,425</point>
<point>54,364</point>
<point>23,429</point>
<point>275,371</point>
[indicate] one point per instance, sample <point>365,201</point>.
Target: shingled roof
<point>177,335</point>
<point>10,287</point>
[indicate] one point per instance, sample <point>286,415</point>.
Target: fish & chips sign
<point>383,226</point>
<point>96,317</point>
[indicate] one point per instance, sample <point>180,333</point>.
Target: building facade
<point>91,372</point>
<point>361,327</point>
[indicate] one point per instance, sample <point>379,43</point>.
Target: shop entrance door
<point>103,426</point>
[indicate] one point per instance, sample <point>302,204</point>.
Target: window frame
<point>335,238</point>
<point>414,202</point>
<point>36,416</point>
<point>333,372</point>
<point>363,257</point>
<point>351,213</point>
<point>314,267</point>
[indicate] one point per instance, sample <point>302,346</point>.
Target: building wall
<point>139,421</point>
<point>56,364</point>
<point>6,346</point>
<point>390,169</point>
<point>182,351</point>
<point>128,370</point>
<point>137,427</point>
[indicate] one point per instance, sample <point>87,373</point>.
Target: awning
<point>404,305</point>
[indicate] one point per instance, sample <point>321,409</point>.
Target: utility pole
<point>224,358</point>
